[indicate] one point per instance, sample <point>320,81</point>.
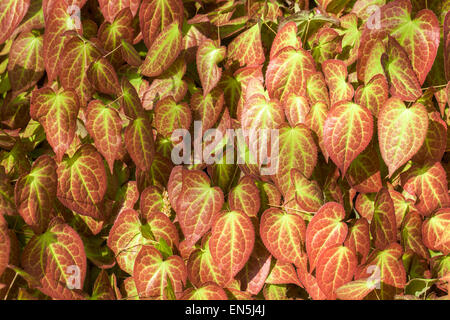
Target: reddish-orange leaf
<point>428,183</point>
<point>285,37</point>
<point>209,54</point>
<point>232,240</point>
<point>163,51</point>
<point>170,116</point>
<point>245,197</point>
<point>208,291</point>
<point>140,143</point>
<point>435,142</point>
<point>373,95</point>
<point>347,132</point>
<point>105,127</point>
<point>335,72</point>
<point>335,267</point>
<point>358,239</point>
<point>383,225</point>
<point>151,274</point>
<point>435,231</point>
<point>103,77</point>
<point>283,234</point>
<point>411,235</point>
<point>326,229</point>
<point>247,47</point>
<point>401,132</point>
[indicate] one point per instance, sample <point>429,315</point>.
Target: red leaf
<point>245,197</point>
<point>155,15</point>
<point>435,142</point>
<point>232,241</point>
<point>285,37</point>
<point>163,51</point>
<point>326,229</point>
<point>383,225</point>
<point>170,116</point>
<point>103,77</point>
<point>58,260</point>
<point>35,193</point>
<point>13,12</point>
<point>208,291</point>
<point>347,132</point>
<point>288,71</point>
<point>57,111</point>
<point>82,182</point>
<point>110,9</point>
<point>401,132</point>
<point>358,239</point>
<point>428,183</point>
<point>207,107</point>
<point>247,47</point>
<point>105,127</point>
<point>435,231</point>
<point>140,143</point>
<point>197,205</point>
<point>283,234</point>
<point>209,54</point>
<point>335,267</point>
<point>151,273</point>
<point>283,273</point>
<point>411,235</point>
<point>373,95</point>
<point>335,72</point>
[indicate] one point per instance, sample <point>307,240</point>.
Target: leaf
<point>358,239</point>
<point>288,71</point>
<point>385,270</point>
<point>126,238</point>
<point>373,95</point>
<point>163,229</point>
<point>253,275</point>
<point>296,109</point>
<point>208,291</point>
<point>435,142</point>
<point>247,48</point>
<point>202,268</point>
<point>163,51</point>
<point>335,267</point>
<point>402,79</point>
<point>354,290</point>
<point>401,132</point>
<point>411,235</point>
<point>58,22</point>
<point>5,245</point>
<point>207,108</point>
<point>283,273</point>
<point>26,63</point>
<point>428,183</point>
<point>82,182</point>
<point>364,172</point>
<point>77,55</point>
<point>105,127</point>
<point>7,203</point>
<point>129,54</point>
<point>285,37</point>
<point>275,292</point>
<point>197,205</point>
<point>151,201</point>
<point>383,226</point>
<point>155,15</point>
<point>12,14</point>
<point>335,72</point>
<point>435,231</point>
<point>308,194</point>
<point>112,34</point>
<point>297,150</point>
<point>102,289</point>
<point>110,9</point>
<point>326,229</point>
<point>57,111</point>
<point>315,120</point>
<point>58,260</point>
<point>325,44</point>
<point>103,77</point>
<point>347,132</point>
<point>130,102</point>
<point>209,54</point>
<point>316,89</point>
<point>139,142</point>
<point>419,36</point>
<point>152,272</point>
<point>283,234</point>
<point>232,240</point>
<point>35,193</point>
<point>170,116</point>
<point>245,196</point>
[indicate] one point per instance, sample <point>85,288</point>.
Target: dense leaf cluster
<point>94,206</point>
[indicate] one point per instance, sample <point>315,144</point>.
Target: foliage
<point>94,206</point>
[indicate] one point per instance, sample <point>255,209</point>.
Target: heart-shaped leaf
<point>140,143</point>
<point>435,231</point>
<point>383,225</point>
<point>13,13</point>
<point>245,197</point>
<point>401,132</point>
<point>247,47</point>
<point>209,54</point>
